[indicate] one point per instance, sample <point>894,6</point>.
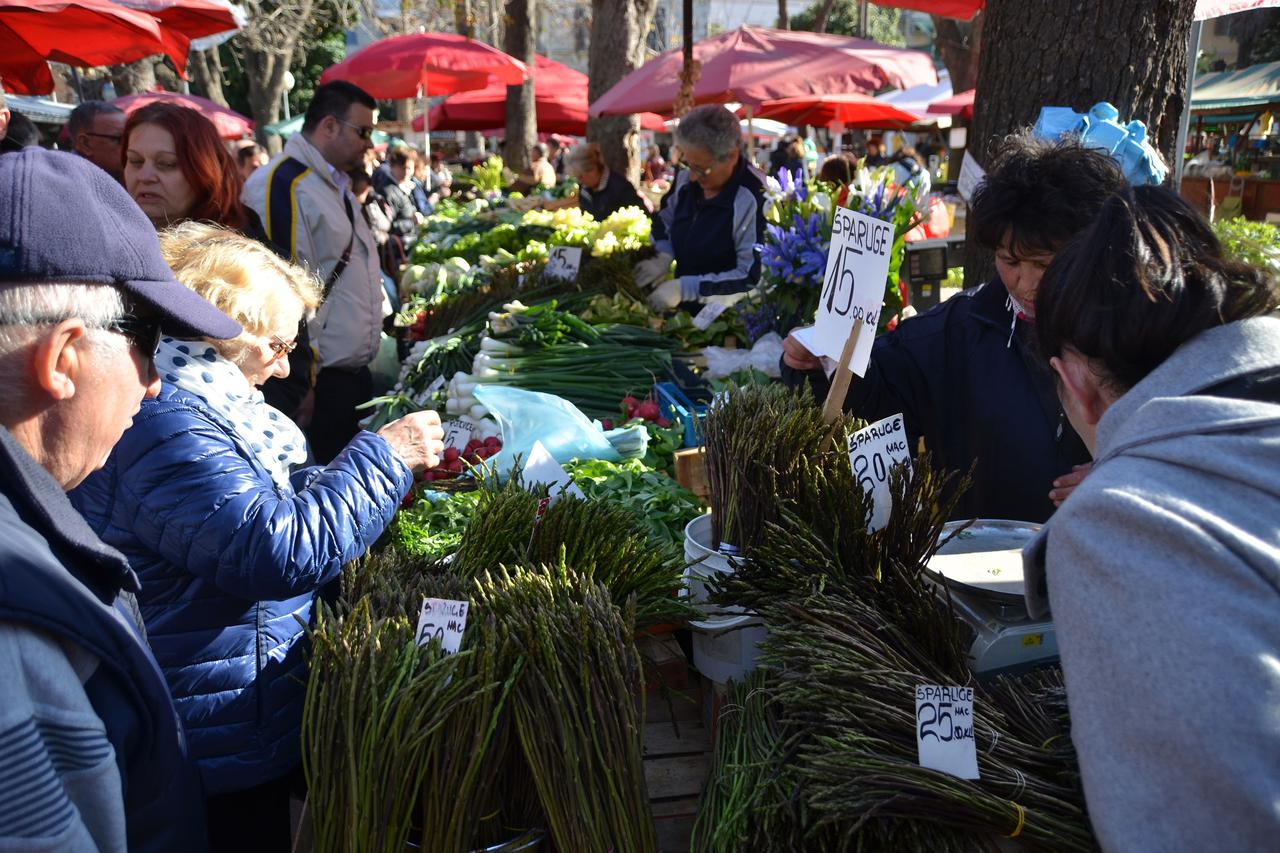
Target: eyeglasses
<point>363,132</point>
<point>114,137</point>
<point>281,347</point>
<point>142,332</point>
<point>701,171</point>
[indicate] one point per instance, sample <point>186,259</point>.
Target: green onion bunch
<point>758,438</point>
<point>576,713</point>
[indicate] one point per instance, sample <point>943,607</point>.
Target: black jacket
<point>56,576</point>
<point>970,383</point>
<point>404,219</point>
<point>617,194</point>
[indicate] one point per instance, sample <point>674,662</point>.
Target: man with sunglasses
<point>96,130</point>
<point>91,751</point>
<point>304,199</point>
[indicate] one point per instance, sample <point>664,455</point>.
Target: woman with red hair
<point>176,168</point>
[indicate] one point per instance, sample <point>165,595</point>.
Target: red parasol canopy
<point>427,64</point>
<point>1206,9</point>
<point>962,9</point>
<point>851,110</point>
<point>560,97</point>
<point>184,20</point>
<point>230,124</point>
<point>960,105</point>
<point>83,33</point>
<point>751,65</point>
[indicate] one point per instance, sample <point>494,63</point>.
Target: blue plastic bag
<point>526,417</point>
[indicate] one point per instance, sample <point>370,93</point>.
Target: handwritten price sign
<point>944,730</point>
<point>853,287</point>
<point>873,452</point>
<point>563,262</point>
<point>443,620</point>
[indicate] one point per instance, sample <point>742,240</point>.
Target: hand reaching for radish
<point>417,438</point>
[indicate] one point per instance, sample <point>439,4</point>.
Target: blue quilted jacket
<point>230,564</point>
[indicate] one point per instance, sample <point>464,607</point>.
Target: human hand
<point>795,355</point>
<point>417,438</point>
<point>653,270</point>
<point>665,296</point>
<point>1066,484</point>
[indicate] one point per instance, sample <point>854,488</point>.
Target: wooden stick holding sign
<point>842,378</point>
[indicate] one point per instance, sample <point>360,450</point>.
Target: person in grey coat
<point>1163,567</point>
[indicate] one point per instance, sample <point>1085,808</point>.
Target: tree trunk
<point>959,45</point>
<point>205,70</point>
<point>135,77</point>
<point>522,118</point>
<point>265,73</point>
<point>1074,53</point>
<point>784,21</point>
<point>618,30</point>
<point>824,12</point>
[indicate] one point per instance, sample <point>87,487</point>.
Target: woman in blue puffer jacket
<point>232,535</point>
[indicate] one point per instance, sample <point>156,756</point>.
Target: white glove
<point>665,296</point>
<point>651,271</point>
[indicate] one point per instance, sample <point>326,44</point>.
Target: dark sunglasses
<point>362,132</point>
<point>142,332</point>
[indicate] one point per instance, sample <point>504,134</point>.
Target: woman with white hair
<point>711,220</point>
<point>232,534</point>
<point>601,190</point>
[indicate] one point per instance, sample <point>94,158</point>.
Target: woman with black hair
<point>1163,567</point>
<point>965,374</point>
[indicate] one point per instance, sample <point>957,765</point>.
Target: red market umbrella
<point>181,21</point>
<point>1206,9</point>
<point>426,64</point>
<point>560,98</point>
<point>962,9</point>
<point>960,105</point>
<point>851,110</point>
<point>230,124</point>
<point>752,65</point>
<point>84,33</point>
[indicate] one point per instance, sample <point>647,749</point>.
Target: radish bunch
<point>645,410</point>
<point>452,463</point>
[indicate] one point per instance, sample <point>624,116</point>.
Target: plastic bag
<point>526,417</point>
<point>764,356</point>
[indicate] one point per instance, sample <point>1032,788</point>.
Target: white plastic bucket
<point>726,644</point>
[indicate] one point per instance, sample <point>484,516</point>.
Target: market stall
<point>1235,143</point>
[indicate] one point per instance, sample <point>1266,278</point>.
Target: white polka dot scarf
<point>196,367</point>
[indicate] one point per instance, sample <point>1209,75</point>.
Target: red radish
<point>450,454</point>
<point>473,444</point>
<point>454,467</point>
<point>649,410</point>
<point>606,424</point>
<point>630,402</point>
<point>408,500</point>
<point>492,441</point>
<point>663,422</point>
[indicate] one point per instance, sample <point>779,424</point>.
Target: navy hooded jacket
<point>230,564</point>
<point>58,578</point>
<point>715,241</point>
<point>966,378</point>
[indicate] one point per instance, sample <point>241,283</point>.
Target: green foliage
<point>1256,243</point>
<point>883,24</point>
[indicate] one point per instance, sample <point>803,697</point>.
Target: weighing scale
<point>981,566</point>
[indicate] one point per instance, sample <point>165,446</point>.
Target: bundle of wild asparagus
<point>601,540</point>
<point>758,439</point>
<point>575,707</point>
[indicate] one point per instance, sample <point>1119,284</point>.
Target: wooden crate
<point>677,755</point>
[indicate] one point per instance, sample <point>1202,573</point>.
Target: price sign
<point>563,262</point>
<point>853,287</point>
<point>971,175</point>
<point>873,452</point>
<point>443,620</point>
<point>541,468</point>
<point>457,433</point>
<point>708,315</point>
<point>944,730</point>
